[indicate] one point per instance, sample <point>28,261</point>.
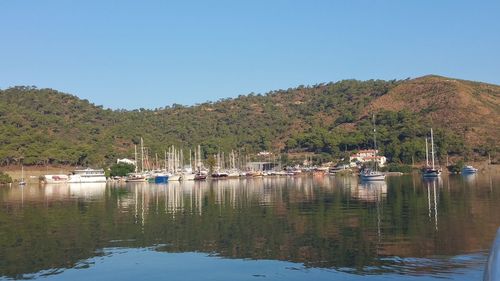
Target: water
<point>300,228</point>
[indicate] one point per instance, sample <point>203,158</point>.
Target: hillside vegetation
<point>44,126</point>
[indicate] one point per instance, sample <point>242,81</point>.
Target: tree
<point>5,178</point>
<point>121,169</point>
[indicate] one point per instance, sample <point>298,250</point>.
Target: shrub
<point>5,178</point>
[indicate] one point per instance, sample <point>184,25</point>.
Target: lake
<point>276,228</point>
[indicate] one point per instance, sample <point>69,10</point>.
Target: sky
<point>150,54</point>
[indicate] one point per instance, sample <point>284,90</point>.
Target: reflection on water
<point>406,225</point>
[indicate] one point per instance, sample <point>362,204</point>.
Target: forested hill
<point>44,126</point>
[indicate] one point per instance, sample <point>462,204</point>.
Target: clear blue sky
<point>132,54</point>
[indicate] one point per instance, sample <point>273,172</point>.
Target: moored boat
<point>371,175</point>
<point>219,175</point>
<point>200,176</point>
<point>87,176</point>
<point>468,169</point>
<point>51,179</point>
<point>430,171</point>
<point>368,174</point>
<point>135,177</point>
<point>22,181</point>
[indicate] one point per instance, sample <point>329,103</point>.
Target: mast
<point>182,160</point>
<point>426,153</point>
<point>142,155</point>
<point>135,157</point>
<point>432,148</point>
<point>375,141</point>
<point>190,161</point>
<point>199,157</point>
<point>156,162</point>
<point>165,159</point>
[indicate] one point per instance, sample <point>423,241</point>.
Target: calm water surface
<point>301,228</point>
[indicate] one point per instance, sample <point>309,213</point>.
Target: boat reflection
<point>432,185</point>
<point>370,191</point>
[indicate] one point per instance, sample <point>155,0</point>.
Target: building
<point>368,155</point>
<point>125,161</point>
<point>260,166</point>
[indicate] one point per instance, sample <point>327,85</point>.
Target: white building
<point>126,161</point>
<point>368,155</point>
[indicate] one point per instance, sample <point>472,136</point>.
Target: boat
<point>174,177</point>
<point>468,169</point>
<point>135,177</point>
<point>368,174</point>
<point>200,176</point>
<point>372,175</point>
<point>430,171</point>
<point>22,181</point>
<point>161,178</point>
<point>51,179</point>
<point>188,177</point>
<point>219,175</point>
<point>87,175</point>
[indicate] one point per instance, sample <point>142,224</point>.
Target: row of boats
<point>89,175</point>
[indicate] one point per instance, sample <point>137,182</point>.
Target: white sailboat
<point>22,181</point>
<point>430,171</point>
<point>369,174</point>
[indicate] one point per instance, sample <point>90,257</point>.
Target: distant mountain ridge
<point>44,126</point>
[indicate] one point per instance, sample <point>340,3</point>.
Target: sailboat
<point>369,174</point>
<point>430,171</point>
<point>22,181</point>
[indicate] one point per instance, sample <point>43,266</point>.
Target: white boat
<point>135,177</point>
<point>369,174</point>
<point>51,179</point>
<point>468,169</point>
<point>188,176</point>
<point>22,181</point>
<point>87,176</point>
<point>430,171</point>
<point>174,177</point>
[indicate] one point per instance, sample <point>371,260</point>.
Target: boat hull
<point>431,173</point>
<point>161,179</point>
<point>51,179</point>
<point>377,177</point>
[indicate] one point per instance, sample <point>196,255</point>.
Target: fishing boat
<point>430,171</point>
<point>369,174</point>
<point>87,176</point>
<point>468,169</point>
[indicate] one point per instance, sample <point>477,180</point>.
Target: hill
<point>44,126</point>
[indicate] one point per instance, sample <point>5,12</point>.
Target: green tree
<point>121,169</point>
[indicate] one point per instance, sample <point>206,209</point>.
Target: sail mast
<point>142,155</point>
<point>426,153</point>
<point>375,141</point>
<point>135,157</point>
<point>432,148</point>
